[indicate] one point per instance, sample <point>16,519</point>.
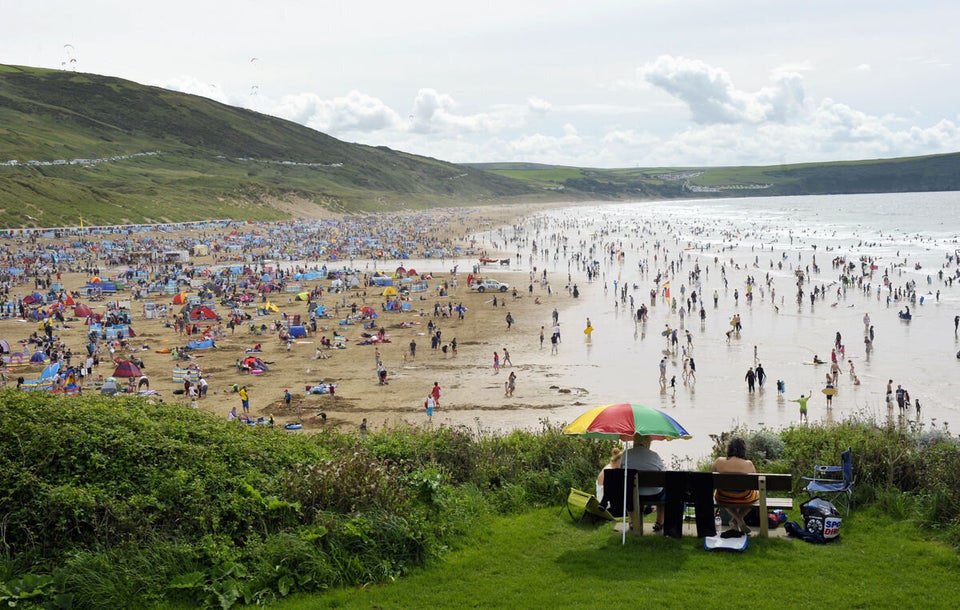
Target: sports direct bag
<point>821,517</point>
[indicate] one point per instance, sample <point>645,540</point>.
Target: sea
<point>906,243</point>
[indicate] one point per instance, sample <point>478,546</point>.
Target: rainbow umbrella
<point>623,421</point>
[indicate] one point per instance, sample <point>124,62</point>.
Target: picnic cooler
<point>821,517</point>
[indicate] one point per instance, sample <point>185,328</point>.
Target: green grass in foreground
<point>542,560</point>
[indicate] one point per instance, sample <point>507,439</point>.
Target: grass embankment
<point>541,560</point>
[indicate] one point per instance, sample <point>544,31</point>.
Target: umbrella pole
<point>626,459</point>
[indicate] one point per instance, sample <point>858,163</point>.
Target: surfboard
<point>588,330</point>
<point>829,391</point>
<point>815,363</point>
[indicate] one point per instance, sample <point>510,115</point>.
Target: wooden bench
<point>762,482</point>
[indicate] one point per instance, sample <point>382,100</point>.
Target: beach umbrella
<point>622,421</point>
<point>127,369</point>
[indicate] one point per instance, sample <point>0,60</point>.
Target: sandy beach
<point>466,377</point>
<point>615,255</point>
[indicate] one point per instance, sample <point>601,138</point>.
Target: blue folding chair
<point>834,483</point>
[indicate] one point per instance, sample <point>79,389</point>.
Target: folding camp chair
<point>587,506</point>
<point>835,483</point>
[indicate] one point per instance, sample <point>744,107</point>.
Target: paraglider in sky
<point>255,66</point>
<point>70,62</point>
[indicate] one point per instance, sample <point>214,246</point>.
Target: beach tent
<point>255,363</point>
<point>180,298</point>
<point>298,331</point>
<point>389,291</point>
<point>202,312</point>
<point>50,371</point>
<point>82,311</point>
<point>303,296</point>
<point>39,357</point>
<point>127,369</point>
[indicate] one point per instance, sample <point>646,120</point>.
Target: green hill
<point>153,155</point>
<point>908,174</point>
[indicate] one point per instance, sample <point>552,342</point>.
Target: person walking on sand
<point>428,406</point>
<point>435,393</point>
<point>509,319</point>
<point>510,385</point>
<point>413,349</point>
<point>496,362</point>
<point>803,406</point>
<point>663,371</point>
<point>506,358</point>
<point>541,337</point>
<point>244,401</point>
<point>751,379</point>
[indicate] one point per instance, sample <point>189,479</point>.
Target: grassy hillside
<point>911,174</point>
<point>214,161</point>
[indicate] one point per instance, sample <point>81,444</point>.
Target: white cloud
<point>355,111</point>
<point>711,96</point>
<point>538,106</point>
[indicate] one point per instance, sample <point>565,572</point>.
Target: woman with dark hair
<point>736,502</point>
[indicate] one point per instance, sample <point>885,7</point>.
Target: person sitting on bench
<point>737,503</point>
<point>641,457</point>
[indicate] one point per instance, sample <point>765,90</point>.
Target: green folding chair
<point>587,507</point>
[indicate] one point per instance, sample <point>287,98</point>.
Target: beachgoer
<point>641,457</point>
<point>363,427</point>
<point>803,405</point>
<point>615,456</point>
<point>663,370</point>
<point>435,393</point>
<point>750,378</point>
<point>506,358</point>
<point>496,362</point>
<point>244,400</point>
<point>428,406</point>
<point>413,349</point>
<point>737,503</point>
<point>511,384</point>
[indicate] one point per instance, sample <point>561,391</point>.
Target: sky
<point>599,83</point>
